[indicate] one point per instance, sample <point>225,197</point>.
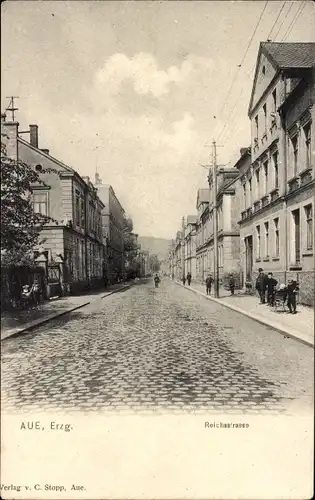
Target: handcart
<point>280,300</point>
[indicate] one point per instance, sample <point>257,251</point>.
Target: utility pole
<point>215,220</point>
<point>183,249</point>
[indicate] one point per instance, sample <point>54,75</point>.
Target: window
<point>257,184</point>
<point>266,176</point>
<point>40,203</point>
<point>296,236</point>
<point>77,210</point>
<point>244,196</point>
<point>264,70</point>
<point>265,116</point>
<point>276,169</point>
<point>258,242</point>
<point>82,215</point>
<point>256,127</point>
<point>250,191</point>
<point>307,137</point>
<point>309,227</point>
<point>294,143</point>
<point>274,101</point>
<point>276,229</point>
<point>266,224</point>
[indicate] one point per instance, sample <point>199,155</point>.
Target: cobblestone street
<point>156,350</point>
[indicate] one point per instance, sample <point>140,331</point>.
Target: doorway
<point>249,257</point>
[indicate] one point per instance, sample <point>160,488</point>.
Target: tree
<point>20,225</point>
<point>131,249</point>
<point>154,263</point>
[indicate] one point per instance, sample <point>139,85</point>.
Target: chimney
<point>243,151</point>
<point>34,135</point>
<point>46,151</point>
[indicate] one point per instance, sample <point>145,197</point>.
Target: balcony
<point>274,195</point>
<point>265,201</point>
<point>257,205</point>
<point>306,176</point>
<point>293,184</point>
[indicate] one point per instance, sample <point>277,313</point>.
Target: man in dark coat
<point>189,279</point>
<point>261,282</point>
<point>209,282</point>
<point>271,289</point>
<point>231,283</point>
<point>292,290</point>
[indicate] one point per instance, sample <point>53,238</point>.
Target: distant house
<point>113,224</point>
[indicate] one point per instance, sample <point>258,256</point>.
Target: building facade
<point>190,246</point>
<point>276,223</point>
<point>113,223</point>
<point>203,263</point>
<point>74,237</point>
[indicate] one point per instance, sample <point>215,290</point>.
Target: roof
<point>192,219</point>
<point>50,157</point>
<point>285,56</point>
<point>290,54</point>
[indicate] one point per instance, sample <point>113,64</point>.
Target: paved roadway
<point>156,350</point>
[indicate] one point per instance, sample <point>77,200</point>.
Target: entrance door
<point>249,257</point>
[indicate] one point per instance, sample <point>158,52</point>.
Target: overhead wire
<point>297,15</point>
<point>274,24</point>
<point>246,51</point>
<point>288,11</point>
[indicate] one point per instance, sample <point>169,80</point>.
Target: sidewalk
<point>299,326</point>
<point>21,321</point>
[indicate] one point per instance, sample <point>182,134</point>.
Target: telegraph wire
<point>245,54</point>
<point>250,74</point>
<point>297,15</point>
<point>288,11</point>
<point>274,24</point>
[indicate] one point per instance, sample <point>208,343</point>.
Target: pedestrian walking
<point>188,279</point>
<point>209,282</point>
<point>261,285</point>
<point>156,280</point>
<point>292,290</point>
<point>184,280</point>
<point>231,283</point>
<point>271,284</point>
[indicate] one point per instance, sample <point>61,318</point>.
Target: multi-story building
<point>190,246</point>
<point>177,257</point>
<point>202,230</point>
<point>228,207</point>
<point>74,237</point>
<point>113,223</point>
<point>277,218</point>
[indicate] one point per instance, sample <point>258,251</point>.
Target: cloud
<point>143,71</point>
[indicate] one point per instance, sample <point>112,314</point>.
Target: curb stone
<point>292,334</point>
<point>41,321</point>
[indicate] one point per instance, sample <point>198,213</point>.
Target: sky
<point>139,90</point>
